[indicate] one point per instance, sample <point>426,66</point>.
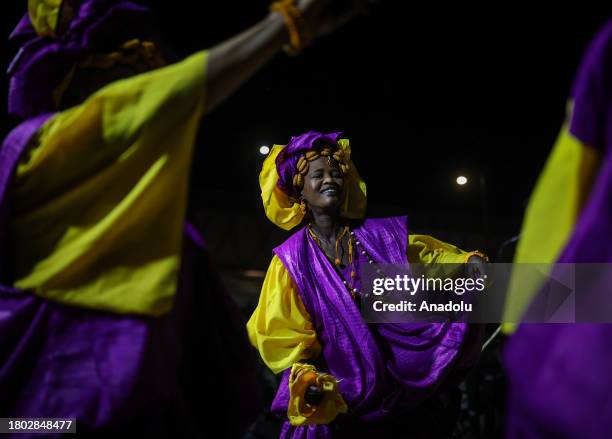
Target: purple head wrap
<point>286,162</point>
<point>42,63</point>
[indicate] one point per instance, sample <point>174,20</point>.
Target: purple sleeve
<point>281,401</point>
<point>591,92</point>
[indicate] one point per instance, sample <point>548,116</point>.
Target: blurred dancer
<point>559,376</point>
<point>110,311</point>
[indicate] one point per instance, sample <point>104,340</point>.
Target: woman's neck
<point>325,225</point>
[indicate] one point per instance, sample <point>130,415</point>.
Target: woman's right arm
<point>281,330</point>
<point>280,327</point>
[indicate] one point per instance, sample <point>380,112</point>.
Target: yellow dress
<point>100,194</point>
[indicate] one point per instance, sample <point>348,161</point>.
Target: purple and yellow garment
<point>553,210</point>
<point>110,310</point>
<point>564,390</point>
<point>57,35</point>
<point>97,181</point>
<point>282,317</point>
<point>384,372</point>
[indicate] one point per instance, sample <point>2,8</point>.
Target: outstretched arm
<point>234,61</point>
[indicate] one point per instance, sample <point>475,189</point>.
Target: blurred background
<point>426,94</point>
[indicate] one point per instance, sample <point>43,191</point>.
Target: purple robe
<point>563,390</point>
<point>385,370</point>
<point>171,376</point>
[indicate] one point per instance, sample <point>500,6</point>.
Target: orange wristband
<point>295,28</point>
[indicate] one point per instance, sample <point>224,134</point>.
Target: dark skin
<point>323,190</point>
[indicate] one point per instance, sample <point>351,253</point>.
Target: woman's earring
<point>303,207</point>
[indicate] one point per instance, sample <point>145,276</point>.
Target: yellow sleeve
<point>280,327</point>
<point>99,197</point>
<point>301,413</point>
<point>425,249</point>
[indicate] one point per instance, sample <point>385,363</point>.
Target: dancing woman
<point>394,380</point>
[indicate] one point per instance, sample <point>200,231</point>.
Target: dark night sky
<point>422,92</point>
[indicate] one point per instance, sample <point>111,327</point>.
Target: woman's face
<point>323,185</point>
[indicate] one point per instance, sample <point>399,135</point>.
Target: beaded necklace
<point>352,242</point>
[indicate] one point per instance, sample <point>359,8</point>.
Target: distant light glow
<point>461,180</point>
<point>264,150</point>
<point>258,274</point>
